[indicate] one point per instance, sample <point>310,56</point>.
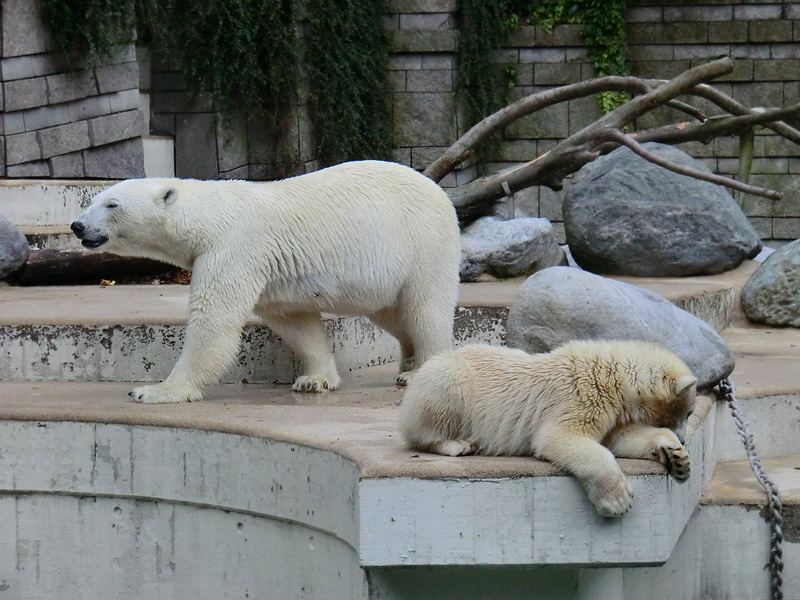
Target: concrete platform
<point>324,488</point>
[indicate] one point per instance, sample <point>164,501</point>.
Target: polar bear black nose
<point>77,227</point>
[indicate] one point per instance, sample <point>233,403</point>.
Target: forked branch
<point>606,133</point>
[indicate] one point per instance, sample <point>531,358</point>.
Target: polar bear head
<point>128,218</point>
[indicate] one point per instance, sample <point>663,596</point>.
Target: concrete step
<point>134,333</point>
<point>734,483</point>
<point>50,237</point>
<point>381,498</point>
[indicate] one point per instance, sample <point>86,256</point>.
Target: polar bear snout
<point>88,239</point>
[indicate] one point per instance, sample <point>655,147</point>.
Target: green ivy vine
<point>247,54</point>
<point>484,82</point>
<point>90,29</point>
<point>603,30</point>
<point>347,60</point>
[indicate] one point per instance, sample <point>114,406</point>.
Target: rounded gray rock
<point>772,295</point>
<point>627,216</point>
<point>508,248</point>
<point>562,304</point>
<point>14,248</point>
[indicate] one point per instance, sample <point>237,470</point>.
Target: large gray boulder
<point>14,248</point>
<point>627,216</point>
<point>562,304</point>
<point>508,248</point>
<point>772,295</point>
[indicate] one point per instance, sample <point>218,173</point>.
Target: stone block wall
<point>83,123</point>
<point>665,38</point>
<point>62,120</point>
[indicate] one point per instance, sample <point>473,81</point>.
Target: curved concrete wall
<point>100,511</point>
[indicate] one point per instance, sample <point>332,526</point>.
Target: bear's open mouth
<point>95,242</point>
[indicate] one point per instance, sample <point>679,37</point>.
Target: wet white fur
<point>362,238</point>
<point>561,406</point>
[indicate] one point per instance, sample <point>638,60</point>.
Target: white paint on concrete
<point>159,154</point>
<point>148,352</point>
<point>51,202</point>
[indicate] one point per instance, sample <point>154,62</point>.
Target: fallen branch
<point>640,150</point>
<point>606,133</point>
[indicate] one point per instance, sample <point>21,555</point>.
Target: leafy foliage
<point>246,54</point>
<point>242,50</point>
<point>347,57</point>
<point>90,29</point>
<point>603,31</point>
<point>483,82</point>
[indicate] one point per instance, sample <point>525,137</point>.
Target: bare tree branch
<point>581,147</point>
<point>465,145</point>
<point>605,134</point>
<point>688,109</point>
<point>714,127</point>
<point>637,148</point>
<point>730,105</point>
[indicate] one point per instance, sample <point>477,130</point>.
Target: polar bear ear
<point>167,195</point>
<point>684,384</point>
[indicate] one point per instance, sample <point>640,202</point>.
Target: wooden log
<point>76,267</point>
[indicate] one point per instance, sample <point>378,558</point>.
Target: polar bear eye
<point>112,204</point>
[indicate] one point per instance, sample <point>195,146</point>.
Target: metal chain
<point>774,517</point>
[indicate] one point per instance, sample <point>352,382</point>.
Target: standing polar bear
<point>577,406</point>
<point>363,238</point>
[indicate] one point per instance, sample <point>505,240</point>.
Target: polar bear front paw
<point>611,498</point>
<point>158,394</point>
<point>326,382</point>
<point>676,459</point>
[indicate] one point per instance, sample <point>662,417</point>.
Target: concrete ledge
<point>46,202</point>
<point>204,454</point>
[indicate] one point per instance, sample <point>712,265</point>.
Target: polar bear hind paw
<point>455,448</point>
<point>612,499</point>
<point>676,459</point>
<point>404,378</point>
<point>317,383</point>
<point>157,394</point>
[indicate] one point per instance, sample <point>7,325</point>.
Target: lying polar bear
<point>577,406</point>
<point>362,238</point>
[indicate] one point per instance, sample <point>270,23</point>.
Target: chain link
<point>774,516</point>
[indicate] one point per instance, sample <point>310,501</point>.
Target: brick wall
<point>61,120</point>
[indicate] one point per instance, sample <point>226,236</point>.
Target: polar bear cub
<point>578,406</point>
<point>364,238</point>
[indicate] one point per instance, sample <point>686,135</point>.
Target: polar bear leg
<point>306,335</point>
<point>652,443</point>
<point>593,465</point>
<point>213,336</point>
<point>391,320</point>
<point>428,321</point>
